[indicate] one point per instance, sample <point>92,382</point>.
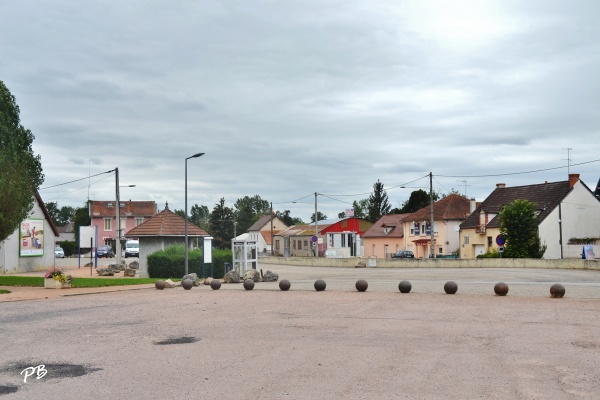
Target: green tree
<point>288,219</point>
<point>21,174</point>
<point>518,225</point>
<point>248,210</point>
<point>320,215</point>
<point>60,216</point>
<point>221,225</point>
<point>54,211</point>
<point>361,208</point>
<point>378,203</point>
<point>417,200</point>
<point>81,218</point>
<point>198,215</point>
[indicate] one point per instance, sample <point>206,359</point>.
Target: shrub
<point>170,262</point>
<point>491,253</point>
<point>69,248</point>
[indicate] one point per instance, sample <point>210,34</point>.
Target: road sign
<point>500,240</point>
<point>314,239</point>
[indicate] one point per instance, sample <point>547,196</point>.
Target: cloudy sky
<point>288,98</point>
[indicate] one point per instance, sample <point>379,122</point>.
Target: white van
<point>132,248</point>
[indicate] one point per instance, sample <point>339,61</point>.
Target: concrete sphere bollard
<point>160,285</point>
<point>215,284</point>
<point>450,287</point>
<point>361,285</point>
<point>557,290</point>
<point>320,285</point>
<point>187,284</point>
<point>248,284</point>
<point>404,287</point>
<point>501,289</point>
<point>284,284</point>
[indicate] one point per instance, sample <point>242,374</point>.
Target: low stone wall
<point>434,263</point>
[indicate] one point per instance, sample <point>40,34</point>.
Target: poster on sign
<point>588,252</point>
<point>349,212</point>
<point>31,242</point>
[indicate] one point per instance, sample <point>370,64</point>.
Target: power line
<point>515,173</point>
<point>76,180</point>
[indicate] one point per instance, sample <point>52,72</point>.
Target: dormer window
<point>109,205</point>
<point>387,229</point>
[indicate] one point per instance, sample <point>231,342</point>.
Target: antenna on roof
<point>568,149</point>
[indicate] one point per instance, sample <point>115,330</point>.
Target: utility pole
<point>118,225</point>
<point>316,228</point>
<point>271,228</point>
<point>432,236</point>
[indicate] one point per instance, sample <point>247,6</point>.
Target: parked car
<point>59,252</point>
<point>132,248</point>
<point>105,251</point>
<point>403,254</point>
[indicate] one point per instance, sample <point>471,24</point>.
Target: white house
<point>568,215</point>
<point>31,246</point>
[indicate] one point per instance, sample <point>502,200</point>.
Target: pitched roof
<point>165,223</point>
<point>128,208</point>
<point>546,196</point>
<point>267,236</point>
<point>451,207</point>
<point>394,221</point>
<point>302,230</point>
<point>46,213</point>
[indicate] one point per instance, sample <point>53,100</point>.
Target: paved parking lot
<point>302,344</point>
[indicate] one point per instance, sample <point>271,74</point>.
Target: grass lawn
<point>36,281</point>
<point>2,291</point>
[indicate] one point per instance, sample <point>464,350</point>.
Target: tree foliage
<point>288,219</point>
<point>198,215</point>
<point>81,218</point>
<point>60,216</point>
<point>320,215</point>
<point>248,210</point>
<point>21,174</point>
<point>361,208</point>
<point>417,200</point>
<point>221,225</point>
<point>378,203</point>
<point>518,225</point>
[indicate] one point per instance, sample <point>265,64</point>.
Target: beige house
<point>385,237</point>
<point>296,241</point>
<point>260,231</point>
<point>448,214</point>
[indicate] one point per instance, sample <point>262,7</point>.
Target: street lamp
<point>186,211</point>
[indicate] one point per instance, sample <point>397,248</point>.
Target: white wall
<point>11,263</point>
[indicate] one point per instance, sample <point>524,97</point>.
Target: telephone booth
<point>245,255</point>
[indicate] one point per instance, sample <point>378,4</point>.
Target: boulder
<point>117,267</point>
<point>208,281</point>
<point>192,277</point>
<point>105,272</point>
<point>129,272</point>
<point>270,276</point>
<point>232,277</point>
<point>89,265</point>
<point>170,284</point>
<point>252,274</point>
<point>134,265</point>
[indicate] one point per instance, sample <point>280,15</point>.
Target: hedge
<point>170,262</point>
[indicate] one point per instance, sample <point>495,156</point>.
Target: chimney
<point>472,205</point>
<point>500,185</point>
<point>573,178</point>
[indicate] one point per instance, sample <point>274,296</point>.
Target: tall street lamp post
<point>118,216</point>
<point>186,212</point>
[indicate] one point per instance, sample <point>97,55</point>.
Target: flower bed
<point>56,279</point>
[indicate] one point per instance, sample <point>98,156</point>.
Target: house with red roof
<point>161,231</point>
<point>344,236</point>
<point>568,212</point>
<point>132,213</point>
<point>385,237</point>
<point>448,214</point>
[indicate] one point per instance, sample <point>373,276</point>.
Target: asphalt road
<point>302,344</point>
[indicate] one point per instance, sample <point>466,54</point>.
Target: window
<point>109,205</point>
<point>306,244</point>
<point>299,244</point>
<point>440,250</point>
<point>138,221</point>
<point>489,238</point>
<point>343,240</point>
<point>466,240</point>
<point>107,224</point>
<point>412,231</point>
<point>294,244</point>
<point>277,244</point>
